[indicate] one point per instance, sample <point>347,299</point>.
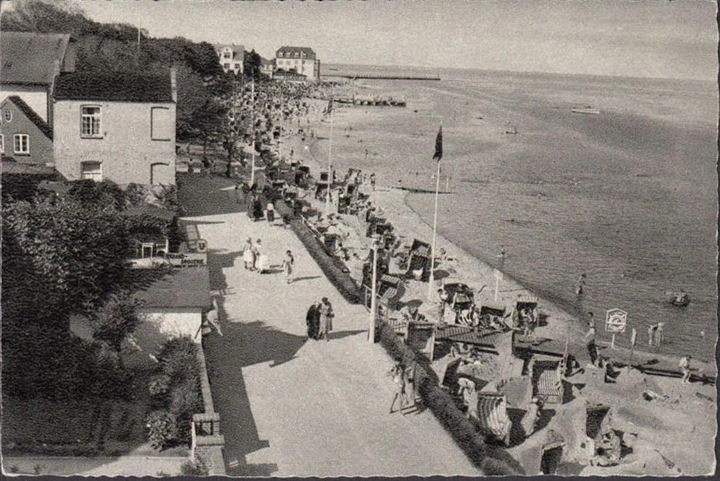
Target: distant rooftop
<point>113,86</point>
<point>295,52</point>
<point>237,50</point>
<point>31,58</point>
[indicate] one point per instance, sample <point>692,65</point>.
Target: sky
<point>637,38</point>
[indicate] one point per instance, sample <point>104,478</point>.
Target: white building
<point>301,60</point>
<point>231,57</point>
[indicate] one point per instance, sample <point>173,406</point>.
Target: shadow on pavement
<point>341,334</point>
<point>217,261</point>
<point>243,344</point>
<point>305,278</point>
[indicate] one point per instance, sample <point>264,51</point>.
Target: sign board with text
<point>615,320</point>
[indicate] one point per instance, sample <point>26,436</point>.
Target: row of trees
<point>63,257</point>
<point>201,82</point>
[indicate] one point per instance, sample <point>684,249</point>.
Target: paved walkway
<point>293,407</point>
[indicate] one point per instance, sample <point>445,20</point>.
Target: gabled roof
<point>238,50</point>
<point>31,115</point>
<point>181,287</point>
<point>289,52</point>
<point>113,86</point>
<point>31,58</point>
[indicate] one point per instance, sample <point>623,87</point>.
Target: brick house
<point>115,126</point>
<point>25,138</point>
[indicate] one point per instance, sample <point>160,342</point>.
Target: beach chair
<point>546,375</point>
<point>492,418</point>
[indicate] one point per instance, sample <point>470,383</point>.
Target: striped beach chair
<point>492,418</point>
<point>547,380</point>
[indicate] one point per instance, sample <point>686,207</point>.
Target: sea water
<point>627,196</point>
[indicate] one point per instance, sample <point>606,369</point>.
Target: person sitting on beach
<point>684,366</point>
<point>443,295</point>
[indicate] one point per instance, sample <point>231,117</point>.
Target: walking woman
<point>288,264</point>
<point>249,255</point>
<point>326,315</point>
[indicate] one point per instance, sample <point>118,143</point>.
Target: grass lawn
<point>78,427</point>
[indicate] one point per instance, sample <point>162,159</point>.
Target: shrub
<point>178,359</point>
<point>159,386</point>
<point>162,429</point>
<point>185,401</point>
<point>194,468</point>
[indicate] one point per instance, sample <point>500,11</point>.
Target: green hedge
<point>491,459</point>
<point>331,266</point>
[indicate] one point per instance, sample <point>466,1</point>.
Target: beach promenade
<point>289,406</point>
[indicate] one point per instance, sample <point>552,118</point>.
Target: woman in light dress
<point>249,254</point>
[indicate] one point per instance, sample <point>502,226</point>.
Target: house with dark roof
<point>25,138</point>
<point>29,63</point>
<point>115,126</point>
<point>231,57</point>
<point>301,60</point>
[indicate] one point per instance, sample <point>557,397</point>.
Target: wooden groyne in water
<point>386,77</point>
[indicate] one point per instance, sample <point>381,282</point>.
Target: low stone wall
<point>207,441</point>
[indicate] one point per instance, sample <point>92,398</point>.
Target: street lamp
<point>373,299</point>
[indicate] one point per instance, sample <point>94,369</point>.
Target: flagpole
<point>432,249</point>
<point>329,180</point>
<point>252,142</point>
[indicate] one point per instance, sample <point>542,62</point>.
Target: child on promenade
<point>397,372</point>
<point>288,264</point>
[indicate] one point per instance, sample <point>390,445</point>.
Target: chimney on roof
<point>173,83</point>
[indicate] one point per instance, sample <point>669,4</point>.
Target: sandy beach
<point>690,452</point>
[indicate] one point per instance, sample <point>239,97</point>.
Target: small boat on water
<point>677,299</point>
<point>585,110</point>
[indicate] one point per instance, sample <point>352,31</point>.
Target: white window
<point>226,66</point>
<point>7,115</point>
<point>2,144</point>
<point>161,124</point>
<point>21,143</point>
<point>237,66</point>
<point>91,170</point>
<point>90,119</point>
<point>227,54</point>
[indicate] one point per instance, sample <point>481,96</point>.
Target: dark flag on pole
<point>438,146</point>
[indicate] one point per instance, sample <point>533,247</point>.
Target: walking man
<point>311,320</point>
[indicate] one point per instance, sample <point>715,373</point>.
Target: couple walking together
<point>319,320</point>
<point>254,256</point>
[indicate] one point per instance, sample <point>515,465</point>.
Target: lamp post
<point>252,141</point>
<point>373,299</point>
